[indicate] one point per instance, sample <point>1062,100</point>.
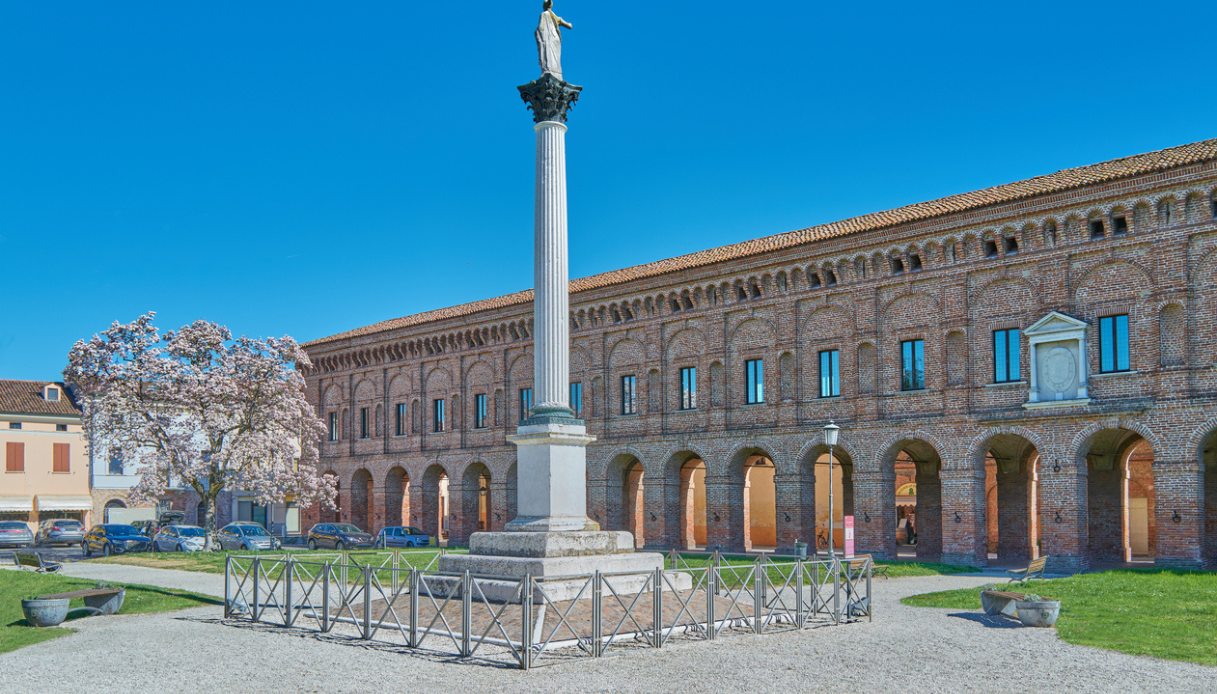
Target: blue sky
<point>307,167</point>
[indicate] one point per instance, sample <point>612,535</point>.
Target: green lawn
<point>1164,614</point>
<point>213,562</point>
<point>17,585</point>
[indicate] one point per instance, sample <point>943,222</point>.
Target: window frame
<point>438,416</point>
<point>576,398</point>
<point>525,402</point>
<point>910,351</point>
<point>834,375</point>
<point>754,381</point>
<point>1009,353</point>
<point>333,427</point>
<point>364,429</point>
<point>629,394</point>
<point>688,388</point>
<point>400,419</point>
<point>1112,341</point>
<point>479,410</point>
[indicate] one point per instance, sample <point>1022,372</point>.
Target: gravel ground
<point>194,581</point>
<point>914,649</point>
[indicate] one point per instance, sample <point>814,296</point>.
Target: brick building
<point>1025,369</point>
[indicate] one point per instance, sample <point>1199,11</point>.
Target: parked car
<point>165,518</point>
<point>114,538</point>
<point>246,535</point>
<point>179,538</point>
<point>402,536</point>
<point>60,531</point>
<point>15,534</point>
<point>338,536</point>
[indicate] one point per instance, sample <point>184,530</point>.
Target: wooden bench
<point>995,602</point>
<point>858,562</point>
<point>99,601</point>
<point>1034,570</point>
<point>33,560</point>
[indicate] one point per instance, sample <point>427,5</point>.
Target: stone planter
<point>45,613</point>
<point>1042,613</point>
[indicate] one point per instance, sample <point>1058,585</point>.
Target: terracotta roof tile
<point>1066,179</point>
<point>25,397</point>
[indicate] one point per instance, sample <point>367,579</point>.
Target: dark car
<point>338,536</point>
<point>114,538</point>
<point>402,536</point>
<point>60,531</point>
<point>15,534</point>
<point>246,535</point>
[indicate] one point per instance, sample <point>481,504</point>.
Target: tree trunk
<point>212,508</point>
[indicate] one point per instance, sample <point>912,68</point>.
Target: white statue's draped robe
<point>549,43</point>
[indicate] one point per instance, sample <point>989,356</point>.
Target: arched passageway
<point>1120,498</point>
<point>842,489</point>
<point>361,499</point>
<point>397,497</point>
<point>917,500</point>
<point>435,509</point>
<point>626,497</point>
<point>691,531</point>
<point>760,503</point>
<point>475,501</point>
<point>1012,501</point>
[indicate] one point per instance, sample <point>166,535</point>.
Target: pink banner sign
<point>849,536</point>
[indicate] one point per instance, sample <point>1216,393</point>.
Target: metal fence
<point>402,600</point>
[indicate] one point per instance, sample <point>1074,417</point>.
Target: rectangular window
<point>1006,366</point>
<point>14,457</point>
<point>439,414</point>
<point>576,398</point>
<point>629,393</point>
<point>14,425</point>
<point>688,388</point>
<point>333,426</point>
<point>61,427</point>
<point>525,402</point>
<point>1113,344</point>
<point>830,373</point>
<point>61,457</point>
<point>755,380</point>
<point>912,365</point>
<point>399,420</point>
<point>363,422</point>
<point>116,465</point>
<point>479,411</point>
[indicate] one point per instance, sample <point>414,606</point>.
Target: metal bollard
<point>289,615</point>
<point>466,613</point>
<point>367,602</point>
<point>597,615</point>
<point>257,598</point>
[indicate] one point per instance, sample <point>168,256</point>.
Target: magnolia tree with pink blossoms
<point>196,408</point>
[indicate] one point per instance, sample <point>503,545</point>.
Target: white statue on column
<point>549,40</point>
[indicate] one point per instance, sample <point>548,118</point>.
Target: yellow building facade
<point>44,463</point>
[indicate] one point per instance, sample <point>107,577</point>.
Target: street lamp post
<point>830,437</point>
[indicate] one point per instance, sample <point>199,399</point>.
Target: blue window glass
<point>912,365</point>
<point>576,398</point>
<point>688,388</point>
<point>399,420</point>
<point>755,380</point>
<point>629,395</point>
<point>830,374</point>
<point>363,422</point>
<point>479,411</point>
<point>333,426</point>
<point>1006,365</point>
<point>1113,344</point>
<point>439,414</point>
<point>525,403</point>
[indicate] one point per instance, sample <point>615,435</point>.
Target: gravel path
<point>194,581</point>
<point>913,649</point>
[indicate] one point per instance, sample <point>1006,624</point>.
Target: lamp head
<point>831,431</point>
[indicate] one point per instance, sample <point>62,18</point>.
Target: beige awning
<point>10,504</point>
<point>65,503</point>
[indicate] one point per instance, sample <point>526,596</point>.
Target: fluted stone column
<point>551,334</point>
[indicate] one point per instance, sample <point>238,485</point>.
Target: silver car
<point>246,535</point>
<point>15,534</point>
<point>179,538</point>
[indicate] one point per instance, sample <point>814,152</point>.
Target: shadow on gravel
<point>990,621</point>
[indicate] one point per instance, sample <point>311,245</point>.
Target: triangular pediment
<point>1055,322</point>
